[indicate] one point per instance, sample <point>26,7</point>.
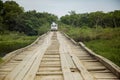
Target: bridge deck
<point>54,57</point>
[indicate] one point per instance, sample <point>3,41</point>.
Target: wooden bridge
<point>55,56</point>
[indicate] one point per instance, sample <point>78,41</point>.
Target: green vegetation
<point>19,28</point>
<point>13,18</point>
<point>103,41</point>
<point>93,19</point>
<point>107,48</point>
<point>13,40</point>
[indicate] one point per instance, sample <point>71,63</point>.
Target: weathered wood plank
<point>86,75</point>
<point>15,72</point>
<point>33,70</point>
<point>68,75</point>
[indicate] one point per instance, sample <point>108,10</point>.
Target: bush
<point>43,29</point>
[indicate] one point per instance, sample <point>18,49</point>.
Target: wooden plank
<point>96,68</point>
<point>50,63</point>
<point>49,69</point>
<point>16,71</point>
<point>65,68</point>
<point>49,77</point>
<point>47,56</point>
<point>107,79</point>
<point>86,75</point>
<point>2,77</point>
<point>69,60</point>
<point>3,73</point>
<point>101,71</point>
<point>32,72</point>
<point>85,58</point>
<point>49,73</point>
<point>77,76</point>
<point>105,75</point>
<point>55,58</point>
<point>67,73</point>
<point>5,70</point>
<point>89,60</point>
<point>23,72</point>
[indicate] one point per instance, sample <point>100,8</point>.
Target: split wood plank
<point>86,75</point>
<point>67,73</point>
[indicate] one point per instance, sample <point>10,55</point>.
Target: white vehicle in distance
<point>54,26</point>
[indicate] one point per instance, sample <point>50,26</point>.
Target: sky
<point>62,7</point>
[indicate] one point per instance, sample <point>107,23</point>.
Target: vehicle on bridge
<point>54,26</point>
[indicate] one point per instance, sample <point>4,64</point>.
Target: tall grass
<point>12,41</point>
<point>107,48</point>
<point>103,41</point>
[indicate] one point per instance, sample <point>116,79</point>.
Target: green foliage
<point>87,34</point>
<point>1,60</point>
<point>107,48</point>
<point>1,18</point>
<point>93,19</point>
<point>13,18</point>
<point>38,21</point>
<point>11,41</point>
<point>81,34</point>
<point>11,10</point>
<point>43,29</point>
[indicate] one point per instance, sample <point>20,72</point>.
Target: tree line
<point>93,19</point>
<point>14,18</point>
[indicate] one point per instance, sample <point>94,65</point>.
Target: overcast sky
<point>61,7</point>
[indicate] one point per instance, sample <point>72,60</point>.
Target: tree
<point>93,19</point>
<point>96,18</point>
<point>115,18</point>
<point>11,12</point>
<point>1,18</point>
<point>15,19</point>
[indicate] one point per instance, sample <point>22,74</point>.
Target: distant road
<point>56,57</point>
